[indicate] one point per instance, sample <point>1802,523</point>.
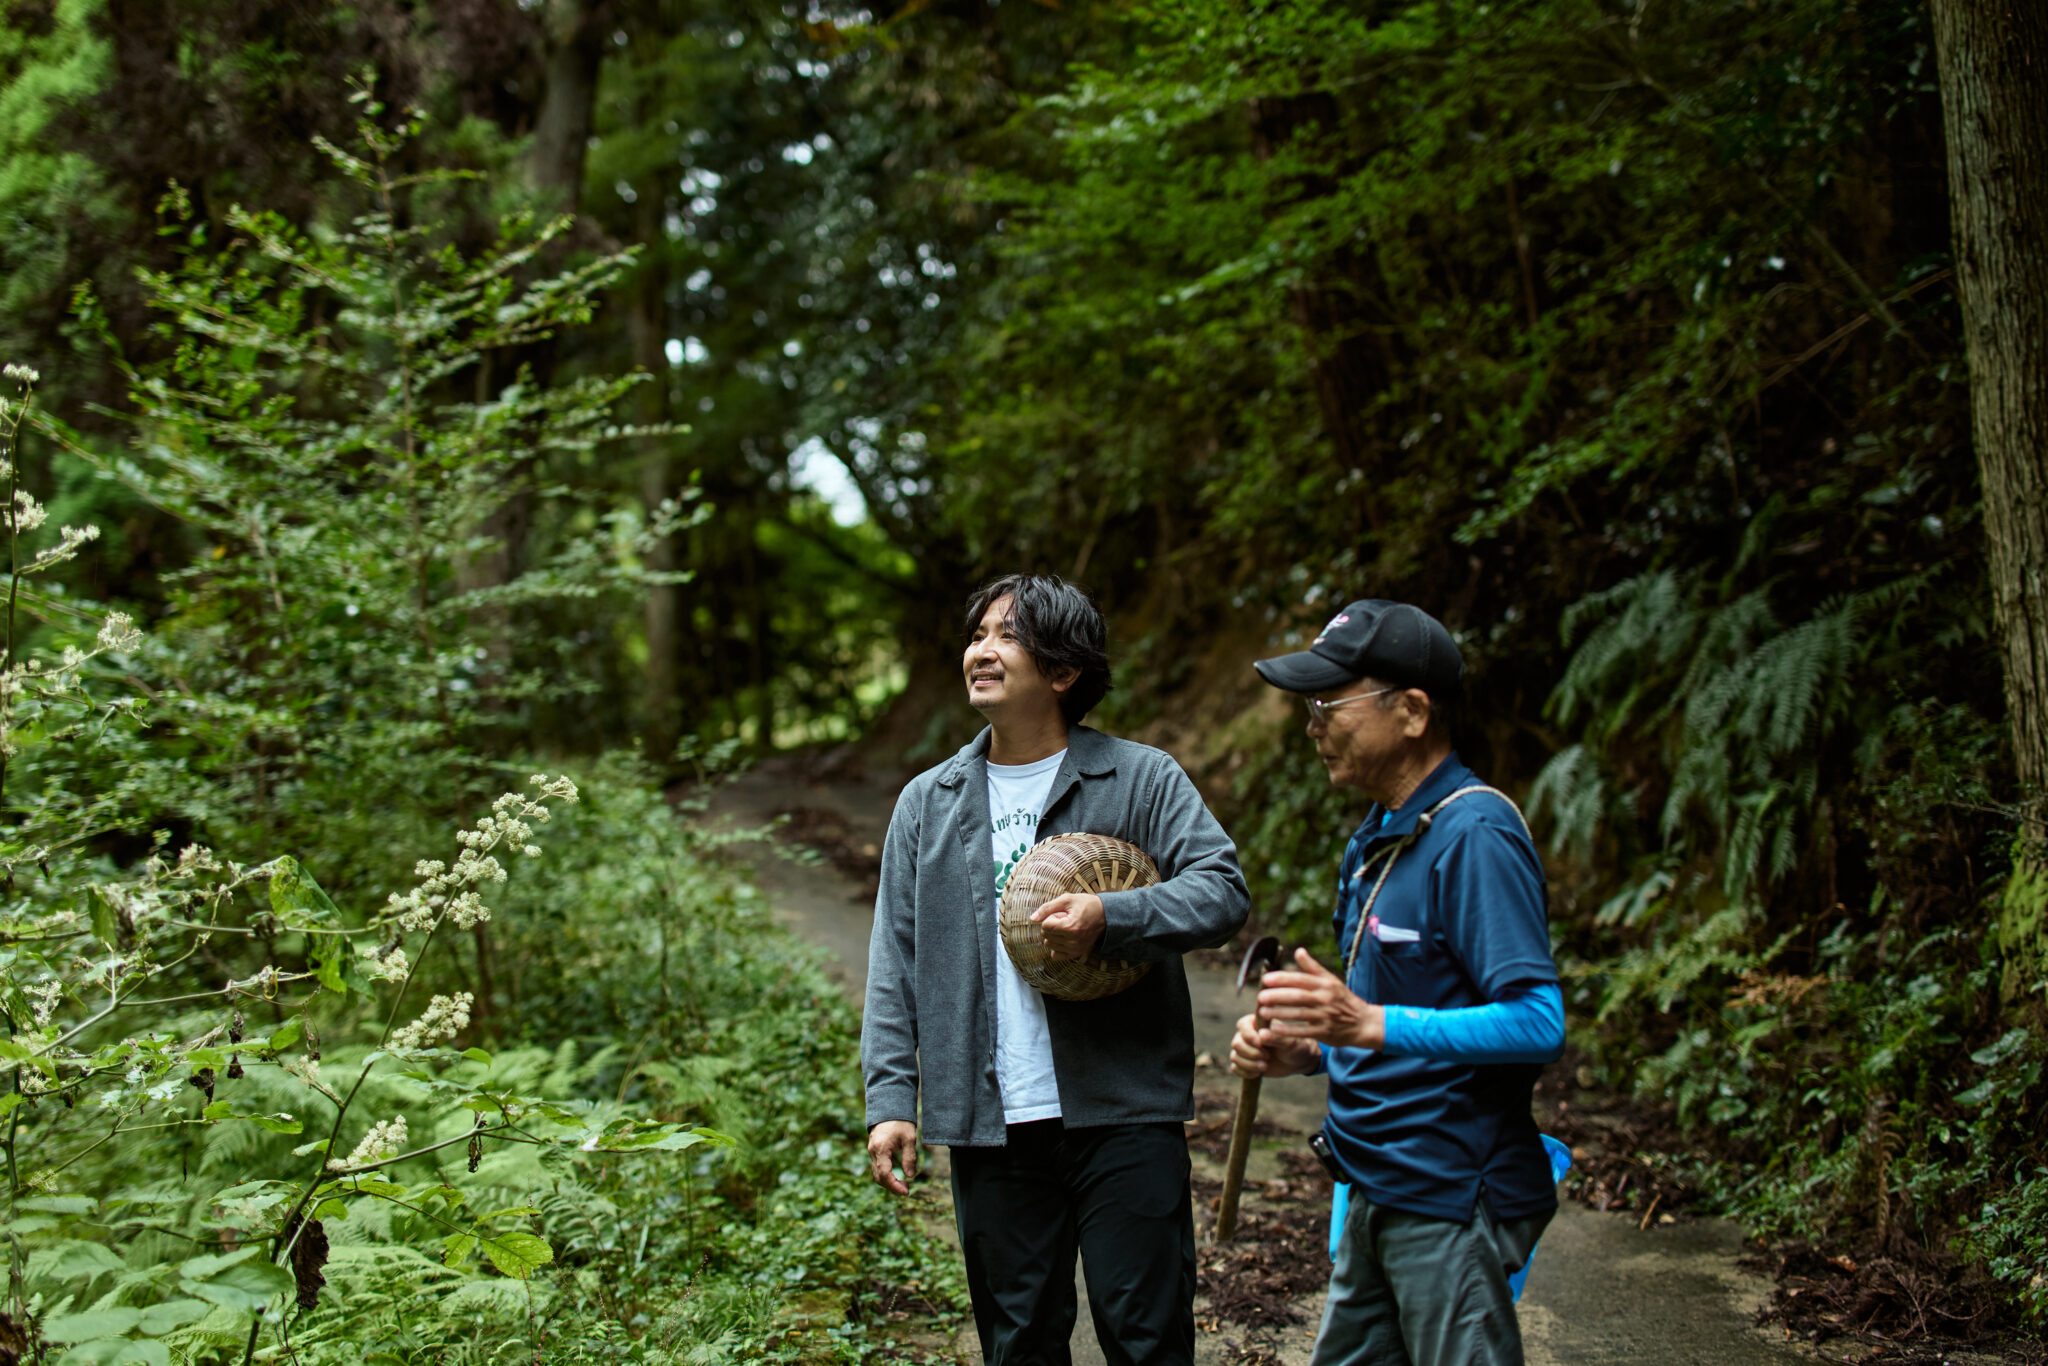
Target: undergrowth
<point>1778,859</point>
<point>562,1095</point>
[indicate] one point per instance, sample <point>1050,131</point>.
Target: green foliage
<point>1744,709</point>
<point>113,1024</point>
<point>1628,320</point>
<point>45,185</point>
<point>315,432</point>
<point>240,1114</point>
<point>1633,319</point>
<point>1838,1055</point>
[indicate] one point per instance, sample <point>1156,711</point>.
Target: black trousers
<point>1118,1193</point>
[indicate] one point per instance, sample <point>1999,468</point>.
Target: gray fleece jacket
<point>931,998</point>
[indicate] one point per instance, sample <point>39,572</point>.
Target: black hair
<point>1060,627</point>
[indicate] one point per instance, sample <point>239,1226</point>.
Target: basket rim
<point>1094,976</point>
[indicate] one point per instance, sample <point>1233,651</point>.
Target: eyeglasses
<point>1319,710</point>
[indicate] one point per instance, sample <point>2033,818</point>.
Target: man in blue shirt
<point>1439,1023</point>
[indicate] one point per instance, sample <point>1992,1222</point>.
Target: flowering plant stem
<point>9,456</point>
<point>8,453</point>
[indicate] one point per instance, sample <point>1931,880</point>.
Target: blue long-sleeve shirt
<point>1526,1027</point>
<point>1457,948</point>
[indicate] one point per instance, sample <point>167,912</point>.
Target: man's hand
<point>1315,1004</point>
<point>1071,923</point>
<point>1256,1052</point>
<point>892,1144</point>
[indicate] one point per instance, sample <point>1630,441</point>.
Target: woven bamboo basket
<point>1055,866</point>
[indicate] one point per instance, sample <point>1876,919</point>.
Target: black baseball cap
<point>1372,638</point>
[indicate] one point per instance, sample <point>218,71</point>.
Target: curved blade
<point>1264,953</point>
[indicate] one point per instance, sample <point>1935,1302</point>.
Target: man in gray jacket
<point>1064,1117</point>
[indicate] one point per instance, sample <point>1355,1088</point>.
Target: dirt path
<point>1602,1291</point>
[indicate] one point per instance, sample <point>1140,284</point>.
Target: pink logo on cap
<point>1334,623</point>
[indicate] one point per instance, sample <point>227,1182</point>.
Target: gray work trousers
<point>1408,1290</point>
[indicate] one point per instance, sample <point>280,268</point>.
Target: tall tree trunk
<point>572,59</point>
<point>660,702</point>
<point>756,608</point>
<point>561,130</point>
<point>1993,59</point>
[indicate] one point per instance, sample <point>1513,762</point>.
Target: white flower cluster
<point>21,373</point>
<point>389,966</point>
<point>445,1017</point>
<point>194,859</point>
<point>45,995</point>
<point>118,632</point>
<point>30,677</point>
<point>29,515</point>
<point>385,1139</point>
<point>73,538</point>
<point>444,892</point>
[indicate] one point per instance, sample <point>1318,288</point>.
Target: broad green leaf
<point>158,1319</point>
<point>287,1035</point>
<point>247,1286</point>
<point>318,1145</point>
<point>145,1353</point>
<point>94,1323</point>
<point>280,1123</point>
<point>518,1254</point>
<point>277,1189</point>
<point>210,1265</point>
<point>62,1204</point>
<point>628,1136</point>
<point>296,897</point>
<point>455,1249</point>
<point>98,1352</point>
<point>73,1260</point>
<point>331,1209</point>
<point>106,919</point>
<point>327,969</point>
<point>477,1055</point>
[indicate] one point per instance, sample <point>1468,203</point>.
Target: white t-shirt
<point>1016,799</point>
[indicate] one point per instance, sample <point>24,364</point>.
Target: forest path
<point>1602,1292</point>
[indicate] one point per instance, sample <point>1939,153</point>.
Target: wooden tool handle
<point>1240,1149</point>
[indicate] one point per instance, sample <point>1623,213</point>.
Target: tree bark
<point>1993,61</point>
<point>574,52</point>
<point>647,326</point>
<point>561,130</point>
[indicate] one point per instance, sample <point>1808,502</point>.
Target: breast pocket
<point>1399,969</point>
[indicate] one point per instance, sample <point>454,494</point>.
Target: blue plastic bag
<point>1560,1162</point>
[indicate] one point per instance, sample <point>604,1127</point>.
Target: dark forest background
<point>1625,337</point>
